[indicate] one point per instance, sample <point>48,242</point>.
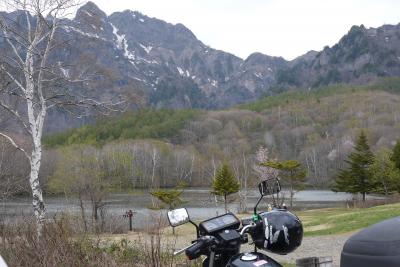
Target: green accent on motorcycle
<point>256,217</point>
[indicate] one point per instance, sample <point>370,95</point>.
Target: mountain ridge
<point>166,66</point>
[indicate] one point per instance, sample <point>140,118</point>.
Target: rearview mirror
<point>269,187</point>
<point>178,217</point>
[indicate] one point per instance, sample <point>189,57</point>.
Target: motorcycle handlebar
<point>194,251</point>
<point>244,229</point>
<point>183,249</point>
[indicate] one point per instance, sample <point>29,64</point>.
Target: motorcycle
<point>220,238</point>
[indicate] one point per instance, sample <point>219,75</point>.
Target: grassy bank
<point>328,221</point>
<point>336,220</point>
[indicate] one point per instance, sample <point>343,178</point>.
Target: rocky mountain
<point>360,56</point>
<point>165,65</point>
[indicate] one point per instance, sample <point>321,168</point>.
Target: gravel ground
<point>319,246</point>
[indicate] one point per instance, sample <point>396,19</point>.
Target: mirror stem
<point>197,228</point>
<point>255,207</point>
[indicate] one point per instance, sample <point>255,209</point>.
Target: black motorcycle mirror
<point>180,216</point>
<point>267,187</point>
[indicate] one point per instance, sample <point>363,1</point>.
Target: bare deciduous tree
<point>13,171</point>
<point>264,172</point>
<point>35,83</point>
<point>81,173</point>
<point>183,161</point>
<point>242,168</point>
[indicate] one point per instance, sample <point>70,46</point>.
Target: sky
<point>287,28</point>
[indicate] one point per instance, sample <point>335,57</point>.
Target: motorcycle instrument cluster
<point>223,222</point>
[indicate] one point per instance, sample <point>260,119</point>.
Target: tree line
<point>318,130</point>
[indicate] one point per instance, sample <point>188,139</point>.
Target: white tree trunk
<point>154,160</point>
<point>244,188</point>
<point>214,173</point>
<point>36,124</point>
<point>37,196</point>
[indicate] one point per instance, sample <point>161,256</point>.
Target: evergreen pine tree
<point>225,183</point>
<point>357,178</point>
<point>171,198</point>
<point>385,173</point>
<point>395,157</point>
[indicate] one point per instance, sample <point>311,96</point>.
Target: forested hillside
<point>316,127</point>
<point>146,123</point>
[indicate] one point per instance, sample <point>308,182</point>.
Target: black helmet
<point>281,232</point>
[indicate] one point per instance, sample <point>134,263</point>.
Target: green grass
<point>332,220</point>
<point>336,221</point>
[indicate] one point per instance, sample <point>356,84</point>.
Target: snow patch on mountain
<point>88,34</point>
<point>65,72</point>
<point>213,82</point>
<point>87,13</point>
<point>180,70</point>
<point>148,61</point>
<point>258,75</point>
<point>122,43</point>
<point>146,48</point>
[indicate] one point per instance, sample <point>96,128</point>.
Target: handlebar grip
<point>194,251</point>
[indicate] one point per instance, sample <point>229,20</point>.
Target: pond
<point>199,202</point>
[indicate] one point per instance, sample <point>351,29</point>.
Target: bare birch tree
<point>183,161</point>
<point>241,169</point>
<point>266,172</point>
<point>35,82</point>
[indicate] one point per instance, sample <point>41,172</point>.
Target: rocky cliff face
<point>360,56</point>
<point>165,65</point>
